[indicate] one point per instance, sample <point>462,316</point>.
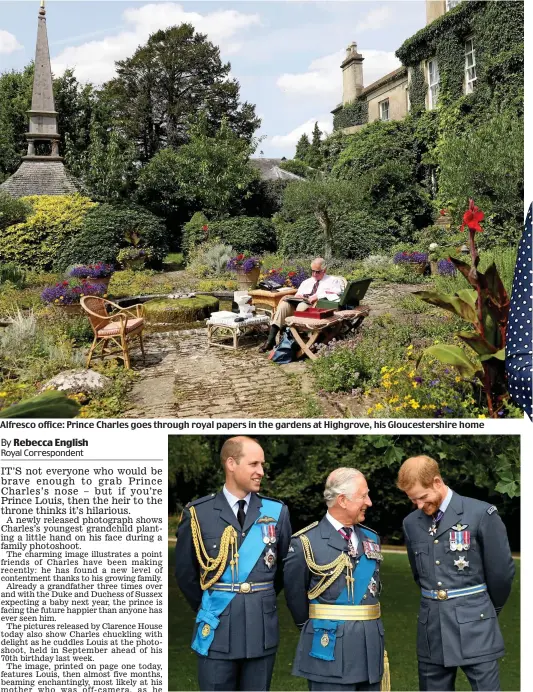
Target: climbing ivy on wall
<point>355,113</point>
<point>417,90</point>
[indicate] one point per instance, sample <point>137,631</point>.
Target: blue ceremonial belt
<point>445,594</point>
<point>213,604</point>
<point>325,631</point>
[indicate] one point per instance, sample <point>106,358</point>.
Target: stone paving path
<point>184,378</point>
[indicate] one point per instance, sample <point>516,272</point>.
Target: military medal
<point>459,540</point>
<point>264,532</point>
<point>270,558</point>
<point>433,528</point>
<point>453,541</point>
<point>324,639</point>
<point>461,563</point>
<point>373,587</point>
<point>352,552</point>
<point>206,630</point>
<point>460,527</point>
<point>466,540</point>
<point>272,533</point>
<point>372,551</point>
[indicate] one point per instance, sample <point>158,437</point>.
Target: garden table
<point>268,301</point>
<point>224,326</point>
<point>307,331</point>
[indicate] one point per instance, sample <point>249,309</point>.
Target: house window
<point>450,4</point>
<point>470,66</point>
<point>384,109</point>
<point>433,83</point>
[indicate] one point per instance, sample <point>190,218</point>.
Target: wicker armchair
<point>117,328</point>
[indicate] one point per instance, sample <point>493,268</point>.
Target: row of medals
<point>269,538</point>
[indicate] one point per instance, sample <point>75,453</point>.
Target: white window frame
<point>381,105</point>
<point>433,78</point>
<point>450,4</point>
<point>470,68</point>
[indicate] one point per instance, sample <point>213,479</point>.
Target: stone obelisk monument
<point>44,173</point>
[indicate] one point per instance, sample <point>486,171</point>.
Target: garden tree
<point>297,167</point>
<point>314,157</point>
<point>297,467</point>
<point>327,199</point>
<point>302,148</point>
<point>486,162</point>
<point>107,167</point>
<point>15,101</point>
<point>210,173</point>
<point>166,82</point>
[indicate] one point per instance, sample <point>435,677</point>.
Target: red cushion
<point>113,328</point>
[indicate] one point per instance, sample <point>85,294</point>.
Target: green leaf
<point>455,356</point>
<point>469,296</point>
<point>454,304</point>
<point>47,405</point>
<point>499,355</point>
<point>510,489</point>
<point>480,345</point>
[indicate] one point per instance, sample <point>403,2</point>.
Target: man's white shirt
<point>329,287</point>
<point>233,501</point>
<point>337,525</point>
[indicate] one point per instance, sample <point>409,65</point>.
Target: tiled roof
<point>40,178</point>
<point>269,170</point>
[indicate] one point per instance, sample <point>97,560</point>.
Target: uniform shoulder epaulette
<point>492,509</point>
<point>369,529</point>
<point>307,528</point>
<point>200,500</point>
<point>274,499</point>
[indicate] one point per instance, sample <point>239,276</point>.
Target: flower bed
<point>280,277</point>
<point>70,293</point>
<point>100,270</point>
<point>241,263</point>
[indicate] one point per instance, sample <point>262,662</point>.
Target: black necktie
<point>240,512</point>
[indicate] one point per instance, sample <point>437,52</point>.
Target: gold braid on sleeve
<point>228,541</point>
<point>327,573</point>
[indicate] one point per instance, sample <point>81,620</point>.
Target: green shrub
<point>13,273</point>
<point>249,234</point>
<point>139,283</point>
<point>180,310</point>
<point>217,258</point>
<point>12,210</point>
<point>38,241</point>
<point>105,231</point>
<point>194,232</point>
<point>297,167</point>
<point>220,284</point>
<point>174,261</point>
<point>355,235</point>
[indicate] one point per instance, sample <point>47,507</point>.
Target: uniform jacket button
<point>436,540</point>
<point>437,562</point>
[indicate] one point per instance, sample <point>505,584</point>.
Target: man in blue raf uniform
<point>461,560</point>
<point>228,566</point>
<point>332,586</point>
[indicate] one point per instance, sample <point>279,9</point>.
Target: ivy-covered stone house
<point>470,52</point>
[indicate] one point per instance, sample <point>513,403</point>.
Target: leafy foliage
<point>245,233</point>
<point>12,210</point>
<point>38,241</point>
<point>355,113</point>
<point>106,229</point>
<point>297,167</point>
<point>302,147</point>
<point>195,232</point>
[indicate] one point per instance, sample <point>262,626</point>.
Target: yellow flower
<point>378,407</point>
<point>386,384</point>
<point>414,404</point>
<point>384,368</point>
<point>369,411</point>
<point>407,397</point>
<point>415,385</point>
<point>432,406</point>
<point>3,394</point>
<point>482,415</point>
<point>395,382</point>
<point>393,400</point>
<point>412,373</point>
<point>444,403</point>
<point>457,379</point>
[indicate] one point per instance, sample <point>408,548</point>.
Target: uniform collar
<point>232,500</point>
<point>444,504</point>
<point>335,522</point>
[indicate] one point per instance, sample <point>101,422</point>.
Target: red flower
<point>291,274</point>
<point>443,212</point>
<point>472,217</point>
<point>240,257</point>
<point>65,283</point>
<point>205,228</point>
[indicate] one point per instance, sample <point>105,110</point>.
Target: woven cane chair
<point>114,330</point>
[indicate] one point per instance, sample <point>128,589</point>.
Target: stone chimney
<point>352,74</point>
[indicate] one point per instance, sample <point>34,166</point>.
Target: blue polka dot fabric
<point>518,360</point>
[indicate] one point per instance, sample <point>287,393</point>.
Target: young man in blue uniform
<point>461,560</point>
<point>228,566</point>
<point>332,585</point>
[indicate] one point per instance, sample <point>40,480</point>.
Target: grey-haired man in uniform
<point>332,586</point>
<point>228,566</point>
<point>461,560</point>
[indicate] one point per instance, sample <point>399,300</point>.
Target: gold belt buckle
<point>246,587</point>
<point>442,595</point>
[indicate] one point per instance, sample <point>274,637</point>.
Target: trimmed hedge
<point>251,234</point>
<point>38,241</point>
<point>103,234</point>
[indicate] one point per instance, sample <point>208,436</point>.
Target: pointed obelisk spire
<point>42,174</point>
<point>43,116</point>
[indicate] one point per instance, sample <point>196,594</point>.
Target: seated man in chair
<point>320,285</point>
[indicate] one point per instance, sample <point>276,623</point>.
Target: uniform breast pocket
<point>212,545</point>
<point>421,553</point>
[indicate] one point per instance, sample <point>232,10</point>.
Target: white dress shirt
<point>329,287</point>
<point>337,525</point>
<point>233,501</point>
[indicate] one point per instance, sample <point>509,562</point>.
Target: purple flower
<point>418,379</point>
<point>446,268</point>
<point>299,276</point>
<point>410,258</point>
<point>98,270</point>
<point>447,409</point>
<point>66,293</point>
<point>242,262</point>
<point>434,383</point>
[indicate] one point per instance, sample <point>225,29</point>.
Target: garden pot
<point>137,263</point>
<point>72,309</point>
<point>247,280</point>
<point>102,281</point>
<point>418,267</point>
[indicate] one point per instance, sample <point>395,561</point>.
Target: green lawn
<point>399,602</point>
